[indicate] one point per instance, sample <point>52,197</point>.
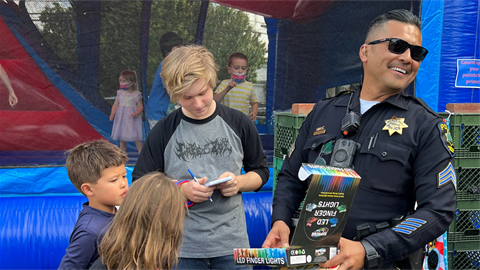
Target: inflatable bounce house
<point>313,47</point>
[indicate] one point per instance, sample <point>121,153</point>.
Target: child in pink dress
<point>127,125</point>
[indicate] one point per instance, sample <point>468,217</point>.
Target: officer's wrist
<point>372,258</point>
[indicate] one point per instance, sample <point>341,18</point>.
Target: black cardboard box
<point>321,222</point>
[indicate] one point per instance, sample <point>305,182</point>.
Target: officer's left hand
<point>351,256</point>
<point>229,188</point>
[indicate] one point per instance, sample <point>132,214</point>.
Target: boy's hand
<point>253,116</point>
<point>231,84</point>
<point>229,188</point>
<point>196,192</point>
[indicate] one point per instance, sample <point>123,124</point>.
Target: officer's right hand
<point>196,192</point>
<point>278,235</point>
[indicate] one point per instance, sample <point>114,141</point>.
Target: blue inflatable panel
<point>35,230</point>
<point>428,76</point>
<point>41,181</point>
<point>39,208</point>
<point>54,181</point>
<point>258,213</point>
<point>460,40</point>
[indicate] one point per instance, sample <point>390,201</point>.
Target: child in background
<point>147,229</point>
<point>97,170</point>
<point>159,104</point>
<point>127,125</point>
<point>236,92</point>
<point>12,98</point>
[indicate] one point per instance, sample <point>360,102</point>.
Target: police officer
<point>405,154</point>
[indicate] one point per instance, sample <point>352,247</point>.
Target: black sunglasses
<point>399,46</point>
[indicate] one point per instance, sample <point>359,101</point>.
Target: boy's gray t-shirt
<point>221,143</point>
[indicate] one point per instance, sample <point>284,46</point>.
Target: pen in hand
<point>196,180</point>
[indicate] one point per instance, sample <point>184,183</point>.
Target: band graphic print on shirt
<point>187,151</point>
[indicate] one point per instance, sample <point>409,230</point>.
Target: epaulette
<point>341,93</point>
<point>421,102</point>
<point>344,92</point>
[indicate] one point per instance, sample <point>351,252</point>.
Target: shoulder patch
<point>446,138</point>
<point>446,176</point>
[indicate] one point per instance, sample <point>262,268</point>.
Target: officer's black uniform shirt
<point>396,171</point>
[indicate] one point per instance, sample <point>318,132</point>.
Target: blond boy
<point>213,141</point>
<point>97,170</point>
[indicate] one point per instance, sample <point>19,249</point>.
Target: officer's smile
<point>397,69</point>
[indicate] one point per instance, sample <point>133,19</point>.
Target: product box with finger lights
<point>321,222</point>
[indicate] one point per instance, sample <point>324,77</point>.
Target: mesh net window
<point>89,43</point>
<point>64,59</point>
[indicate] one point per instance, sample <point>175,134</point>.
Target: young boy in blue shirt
<point>97,170</point>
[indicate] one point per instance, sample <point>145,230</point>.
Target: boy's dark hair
<point>400,15</point>
<point>168,41</point>
<point>237,55</point>
<point>86,161</point>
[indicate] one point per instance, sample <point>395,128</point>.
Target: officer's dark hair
<point>400,15</point>
<point>168,41</point>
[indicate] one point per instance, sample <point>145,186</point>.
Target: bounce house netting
<point>64,57</point>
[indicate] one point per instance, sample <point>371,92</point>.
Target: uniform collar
<point>397,100</point>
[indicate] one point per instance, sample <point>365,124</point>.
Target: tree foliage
<point>227,31</point>
<point>119,43</point>
<point>60,31</point>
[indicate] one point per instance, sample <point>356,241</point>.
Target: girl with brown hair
<point>147,229</point>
